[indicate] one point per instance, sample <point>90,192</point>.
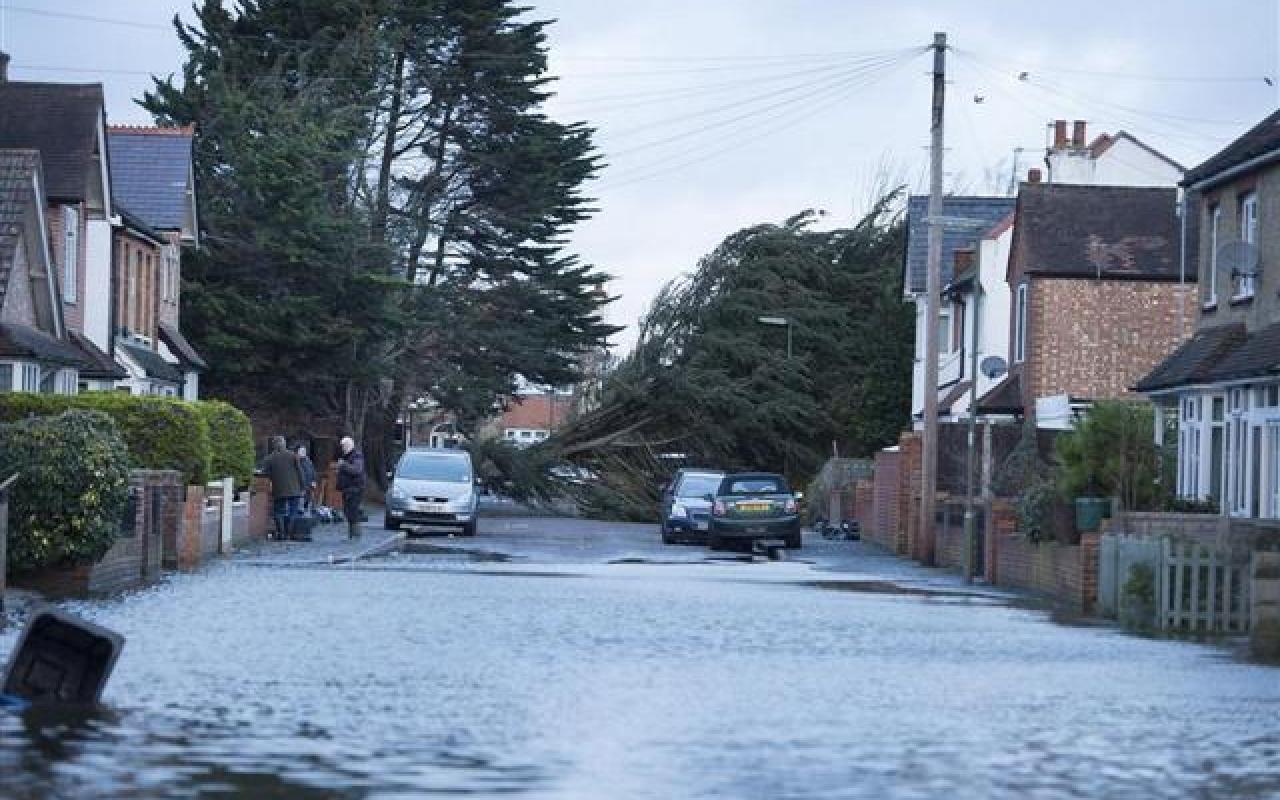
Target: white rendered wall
<point>97,283</point>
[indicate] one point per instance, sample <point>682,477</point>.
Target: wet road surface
<point>552,658</point>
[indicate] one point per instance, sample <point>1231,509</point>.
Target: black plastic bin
<point>61,659</point>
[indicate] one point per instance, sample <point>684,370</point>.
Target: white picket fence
<point>1201,589</point>
<point>1197,588</point>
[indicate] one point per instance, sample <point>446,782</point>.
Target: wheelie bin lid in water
<point>61,658</point>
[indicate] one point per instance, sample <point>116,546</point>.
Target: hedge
<point>231,440</point>
<point>68,503</point>
<point>160,432</point>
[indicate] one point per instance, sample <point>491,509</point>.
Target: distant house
<point>1118,159</point>
<point>967,220</point>
<point>153,176</point>
<point>66,125</point>
<point>36,352</point>
<point>1099,296</point>
<point>531,416</point>
<point>1224,383</point>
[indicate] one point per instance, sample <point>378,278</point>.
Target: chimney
<point>4,67</point>
<point>1033,175</point>
<point>1077,134</point>
<point>1059,134</point>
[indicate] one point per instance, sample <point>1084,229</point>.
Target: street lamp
<point>779,321</point>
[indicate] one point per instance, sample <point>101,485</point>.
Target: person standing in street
<point>308,478</point>
<point>351,480</point>
<point>287,484</point>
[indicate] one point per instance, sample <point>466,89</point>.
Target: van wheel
<point>714,542</point>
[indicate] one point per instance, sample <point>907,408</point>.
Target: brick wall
<point>259,508</point>
<point>1095,339</point>
<point>911,446</point>
<point>1066,573</point>
<point>949,533</point>
<point>886,506</point>
<point>73,313</point>
<point>863,504</point>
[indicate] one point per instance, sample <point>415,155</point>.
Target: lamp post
<point>779,321</point>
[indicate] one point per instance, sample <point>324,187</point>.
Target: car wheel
<point>391,524</point>
<point>795,541</point>
<point>668,538</point>
<point>469,529</point>
<point>714,542</point>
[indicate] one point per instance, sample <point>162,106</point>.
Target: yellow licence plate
<point>754,506</point>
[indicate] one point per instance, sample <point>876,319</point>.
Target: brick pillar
<point>187,552</point>
<point>259,507</point>
<point>1003,523</point>
<point>1089,544</point>
<point>909,517</point>
<point>1264,599</point>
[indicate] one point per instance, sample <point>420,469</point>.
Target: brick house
<point>154,180</point>
<point>531,416</point>
<point>1099,296</point>
<point>1223,385</point>
<point>66,125</point>
<point>36,352</point>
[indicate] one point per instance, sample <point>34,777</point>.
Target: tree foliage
<point>711,383</point>
<point>1112,453</point>
<point>385,205</point>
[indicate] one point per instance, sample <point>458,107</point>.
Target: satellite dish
<point>993,367</point>
<point>1238,259</point>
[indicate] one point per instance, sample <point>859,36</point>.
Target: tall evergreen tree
<point>385,206</point>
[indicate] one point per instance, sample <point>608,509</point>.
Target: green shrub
<point>66,506</point>
<point>1112,453</point>
<point>160,432</point>
<point>1034,508</point>
<point>230,440</point>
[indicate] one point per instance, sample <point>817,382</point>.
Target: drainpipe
<point>1182,270</point>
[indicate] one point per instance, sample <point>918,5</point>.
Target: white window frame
<point>1249,234</point>
<point>30,378</point>
<point>70,252</point>
<point>15,369</point>
<point>943,332</point>
<point>1020,324</point>
<point>1215,222</point>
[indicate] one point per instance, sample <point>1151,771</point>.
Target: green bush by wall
<point>160,432</point>
<point>67,505</point>
<point>231,440</point>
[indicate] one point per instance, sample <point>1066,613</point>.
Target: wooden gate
<point>1201,589</point>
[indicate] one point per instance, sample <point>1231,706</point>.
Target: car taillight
<point>717,508</point>
<point>791,505</point>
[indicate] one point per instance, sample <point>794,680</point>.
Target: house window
<point>70,251</point>
<point>1020,325</point>
<point>1238,462</point>
<point>1211,290</point>
<point>1249,235</point>
<point>511,434</point>
<point>30,378</point>
<point>1217,447</point>
<point>68,381</point>
<point>944,331</point>
<point>526,434</point>
<point>6,377</point>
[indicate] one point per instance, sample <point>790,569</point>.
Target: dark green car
<point>751,506</point>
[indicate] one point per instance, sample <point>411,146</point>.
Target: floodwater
<point>435,674</point>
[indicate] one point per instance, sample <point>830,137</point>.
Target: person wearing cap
<point>351,480</point>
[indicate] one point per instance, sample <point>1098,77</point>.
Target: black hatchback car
<point>750,506</point>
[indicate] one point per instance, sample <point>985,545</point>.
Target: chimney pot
<point>1059,134</point>
<point>1033,175</point>
<point>1077,134</point>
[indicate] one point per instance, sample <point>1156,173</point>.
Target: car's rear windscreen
<point>754,486</point>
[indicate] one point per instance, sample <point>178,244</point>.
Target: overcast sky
<point>718,114</point>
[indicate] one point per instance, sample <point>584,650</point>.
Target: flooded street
<point>583,660</point>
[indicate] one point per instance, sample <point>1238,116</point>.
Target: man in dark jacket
<point>287,483</point>
<point>351,483</point>
<point>308,478</point>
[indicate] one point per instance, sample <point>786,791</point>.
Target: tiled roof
<point>98,365</point>
<point>1261,139</point>
<point>1192,362</point>
<point>1005,397</point>
<point>534,411</point>
<point>21,341</point>
<point>1258,354</point>
<point>981,214</point>
<point>150,173</point>
<point>1120,232</point>
<point>61,121</point>
<point>17,169</point>
<point>151,361</point>
<point>178,343</point>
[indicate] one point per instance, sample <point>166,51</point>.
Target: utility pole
<point>933,292</point>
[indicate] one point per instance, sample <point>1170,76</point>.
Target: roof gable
<point>62,121</point>
<point>151,174</point>
<point>979,213</point>
<point>1081,231</point>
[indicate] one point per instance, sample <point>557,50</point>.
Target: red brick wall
<point>886,506</point>
<point>1094,339</point>
<point>949,533</point>
<point>1066,573</point>
<point>909,494</point>
<point>73,313</point>
<point>863,509</point>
